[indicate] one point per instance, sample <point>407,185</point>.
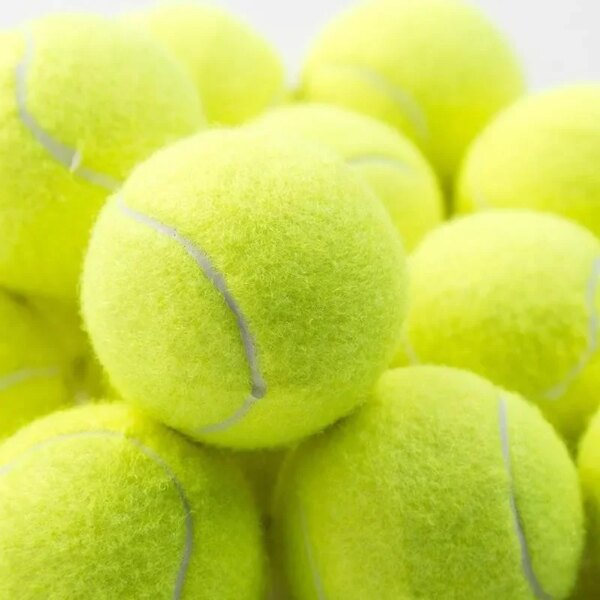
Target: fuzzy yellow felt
<point>83,100</point>
<point>246,288</point>
<point>443,486</point>
<point>34,370</point>
<point>543,153</point>
<point>237,73</point>
<point>393,167</point>
<point>438,70</point>
<point>101,502</point>
<point>513,296</point>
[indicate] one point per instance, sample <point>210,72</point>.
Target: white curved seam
<point>17,377</point>
<point>557,391</point>
<point>158,460</point>
<point>259,387</point>
<point>312,563</point>
<point>68,157</point>
<point>363,159</point>
<point>526,563</point>
<point>408,105</point>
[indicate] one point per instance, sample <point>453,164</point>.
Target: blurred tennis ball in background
<point>245,287</point>
<point>513,296</point>
<point>543,153</point>
<point>237,73</point>
<point>123,505</point>
<point>391,165</point>
<point>443,483</point>
<point>438,70</point>
<point>34,370</point>
<point>84,99</point>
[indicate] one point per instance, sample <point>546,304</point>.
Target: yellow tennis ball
<point>100,502</point>
<point>442,486</point>
<point>236,71</point>
<point>83,100</point>
<point>543,153</point>
<point>393,167</point>
<point>588,463</point>
<point>513,296</point>
<point>438,70</point>
<point>34,370</point>
<point>244,287</point>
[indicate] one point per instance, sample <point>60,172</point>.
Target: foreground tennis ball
<point>442,486</point>
<point>543,154</point>
<point>237,73</point>
<point>438,70</point>
<point>513,296</point>
<point>83,101</point>
<point>391,165</point>
<point>245,288</point>
<point>34,370</point>
<point>100,502</point>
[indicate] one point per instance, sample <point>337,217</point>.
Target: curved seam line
<point>408,105</point>
<point>378,159</point>
<point>314,571</point>
<point>259,387</point>
<point>67,157</point>
<point>158,460</point>
<point>23,375</point>
<point>526,563</point>
<point>557,391</point>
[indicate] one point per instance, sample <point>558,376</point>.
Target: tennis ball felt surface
<point>100,502</point>
<point>513,296</point>
<point>237,72</point>
<point>246,288</point>
<point>34,374</point>
<point>442,486</point>
<point>543,153</point>
<point>438,70</point>
<point>82,101</point>
<point>393,167</point>
<point>588,462</point>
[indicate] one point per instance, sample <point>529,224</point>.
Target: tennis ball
<point>236,71</point>
<point>442,486</point>
<point>245,288</point>
<point>543,153</point>
<point>588,463</point>
<point>438,70</point>
<point>513,296</point>
<point>122,508</point>
<point>33,368</point>
<point>82,101</point>
<point>391,164</point>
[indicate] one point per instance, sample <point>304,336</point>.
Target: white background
<point>559,40</point>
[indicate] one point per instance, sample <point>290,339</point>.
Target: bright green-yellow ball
<point>101,502</point>
<point>245,287</point>
<point>438,70</point>
<point>513,296</point>
<point>543,154</point>
<point>84,99</point>
<point>236,71</point>
<point>442,486</point>
<point>34,369</point>
<point>393,167</point>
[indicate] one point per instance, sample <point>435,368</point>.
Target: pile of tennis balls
<point>338,342</point>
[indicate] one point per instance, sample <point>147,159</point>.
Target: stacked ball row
<point>237,255</point>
